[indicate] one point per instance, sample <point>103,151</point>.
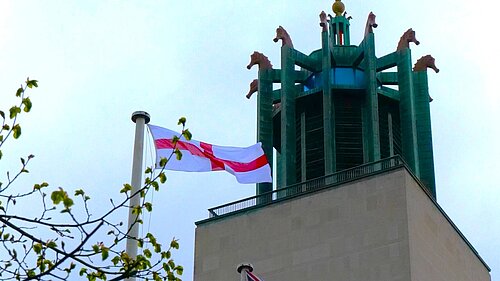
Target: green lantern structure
<point>345,107</point>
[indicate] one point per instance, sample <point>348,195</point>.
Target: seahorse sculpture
<point>426,62</point>
<point>263,62</point>
<point>284,36</point>
<point>370,23</point>
<point>404,42</point>
<point>254,87</point>
<point>323,22</point>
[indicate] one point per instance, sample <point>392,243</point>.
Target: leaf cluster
<point>77,247</point>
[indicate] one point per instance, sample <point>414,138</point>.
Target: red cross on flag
<point>247,164</point>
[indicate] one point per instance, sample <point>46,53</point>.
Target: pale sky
<point>99,61</point>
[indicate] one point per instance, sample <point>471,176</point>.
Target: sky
<point>99,61</point>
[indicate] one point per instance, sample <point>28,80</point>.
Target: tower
<point>341,109</point>
<point>355,195</point>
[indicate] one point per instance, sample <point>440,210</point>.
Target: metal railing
<point>309,186</point>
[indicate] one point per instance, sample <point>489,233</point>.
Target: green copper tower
<point>342,106</point>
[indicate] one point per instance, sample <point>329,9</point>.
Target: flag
<point>247,164</point>
<point>252,277</point>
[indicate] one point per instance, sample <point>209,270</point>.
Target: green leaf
<point>182,121</point>
<point>175,140</point>
<point>147,253</point>
<point>31,273</point>
<point>178,154</point>
<point>179,269</point>
<point>27,104</point>
<point>155,185</point>
<point>136,210</point>
<point>2,114</point>
<point>68,202</point>
<point>187,134</point>
<point>163,162</point>
<point>17,131</point>
<point>174,244</point>
<point>37,248</point>
<point>19,91</point>
<point>95,247</point>
<point>83,271</point>
<point>115,260</point>
<point>126,187</point>
<point>6,127</point>
<point>79,192</point>
<point>158,248</point>
<point>104,253</point>
<point>162,177</point>
<point>31,83</point>
<point>148,206</point>
<point>148,170</point>
<point>14,111</point>
<point>57,196</point>
<point>1,154</point>
<point>51,244</point>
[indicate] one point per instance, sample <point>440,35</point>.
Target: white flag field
<point>247,164</point>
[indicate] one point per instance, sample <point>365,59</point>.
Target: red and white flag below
<point>247,164</point>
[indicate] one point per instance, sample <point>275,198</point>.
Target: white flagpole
<point>242,270</point>
<point>140,118</point>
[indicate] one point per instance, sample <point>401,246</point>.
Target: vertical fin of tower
<point>288,134</point>
<point>371,134</point>
<point>328,106</point>
<point>424,133</point>
<point>407,110</point>
<point>265,121</point>
<point>423,116</point>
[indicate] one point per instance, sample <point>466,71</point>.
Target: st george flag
<point>252,277</point>
<point>247,164</point>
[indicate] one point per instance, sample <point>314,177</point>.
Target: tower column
<point>265,121</point>
<point>371,133</point>
<point>288,134</point>
<point>328,107</point>
<point>407,111</point>
<point>424,132</point>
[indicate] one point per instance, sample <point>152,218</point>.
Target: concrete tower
<point>356,195</point>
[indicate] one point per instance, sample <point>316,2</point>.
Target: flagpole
<point>140,118</point>
<point>242,270</point>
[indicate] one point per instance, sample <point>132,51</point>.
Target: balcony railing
<point>309,186</point>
